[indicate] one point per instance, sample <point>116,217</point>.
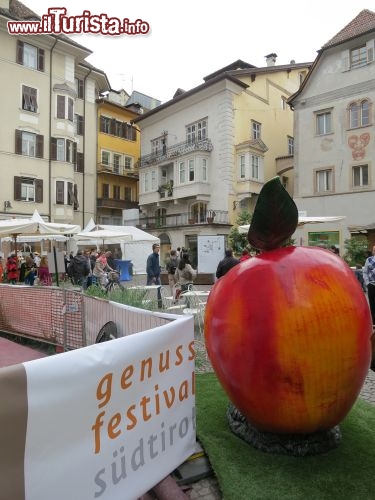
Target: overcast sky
<point>189,40</point>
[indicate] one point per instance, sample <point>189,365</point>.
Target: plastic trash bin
<point>124,267</point>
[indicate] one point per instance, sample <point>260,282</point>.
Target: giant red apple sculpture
<point>288,331</point>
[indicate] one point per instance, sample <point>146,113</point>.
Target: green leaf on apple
<point>275,217</point>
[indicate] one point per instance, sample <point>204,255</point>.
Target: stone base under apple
<point>297,445</point>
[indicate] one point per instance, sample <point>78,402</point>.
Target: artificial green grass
<point>245,473</point>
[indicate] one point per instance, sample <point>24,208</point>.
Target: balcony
<point>123,172</point>
<point>212,217</point>
<point>176,150</point>
<point>112,203</point>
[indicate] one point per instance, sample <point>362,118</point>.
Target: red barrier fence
<point>67,318</point>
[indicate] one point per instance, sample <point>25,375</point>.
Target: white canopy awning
<point>301,221</point>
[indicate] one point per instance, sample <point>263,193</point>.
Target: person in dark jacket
<point>153,266</point>
<point>227,263</point>
<point>79,269</point>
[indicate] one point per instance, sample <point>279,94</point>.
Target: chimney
<point>4,4</point>
<point>271,59</point>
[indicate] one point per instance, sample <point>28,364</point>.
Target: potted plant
<point>210,216</point>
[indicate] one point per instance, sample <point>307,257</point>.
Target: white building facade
<point>334,127</point>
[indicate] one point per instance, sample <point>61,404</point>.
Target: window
<point>105,124</point>
<point>159,145</point>
<point>198,212</point>
<point>63,150</point>
<point>105,158</point>
<point>290,145</point>
<point>360,176</point>
<point>242,166</point>
<point>323,181</point>
<point>60,192</point>
<point>78,124</point>
<point>204,169</point>
<point>115,127</point>
<point>191,170</point>
<point>324,238</point>
<point>323,123</point>
<point>116,163</point>
<point>182,172</point>
<point>153,180</point>
<point>359,114</point>
<point>60,149</point>
<point>64,107</point>
<point>116,192</point>
<point>80,88</point>
<point>28,189</point>
<point>30,56</point>
<point>29,99</point>
<point>256,129</point>
<point>29,144</point>
<point>128,162</point>
<point>358,56</point>
<point>128,193</point>
<point>196,131</point>
<point>105,191</point>
<point>255,167</point>
<point>147,182</point>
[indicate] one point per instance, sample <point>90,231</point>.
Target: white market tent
<point>35,229</point>
<point>136,249</point>
<point>301,222</point>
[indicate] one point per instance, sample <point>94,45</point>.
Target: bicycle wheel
<point>113,286</point>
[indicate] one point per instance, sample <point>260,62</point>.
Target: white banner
<point>111,420</point>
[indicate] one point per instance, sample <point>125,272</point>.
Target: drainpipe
<point>49,134</point>
<point>84,149</point>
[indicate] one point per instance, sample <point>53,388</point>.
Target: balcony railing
<point>184,219</point>
<point>111,169</point>
<point>112,203</point>
<point>176,150</point>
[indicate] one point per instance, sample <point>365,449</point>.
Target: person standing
<point>153,270</point>
<point>226,264</point>
<point>79,269</point>
<point>11,269</point>
<point>369,279</point>
<point>171,267</point>
<point>153,266</point>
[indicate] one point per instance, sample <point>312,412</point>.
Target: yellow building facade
<point>117,160</point>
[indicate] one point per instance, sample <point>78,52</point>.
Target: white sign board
<point>211,250</point>
<point>108,421</point>
<point>60,262</point>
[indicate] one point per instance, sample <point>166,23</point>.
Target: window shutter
<point>370,50</point>
<point>38,190</point>
<point>17,188</point>
<point>75,194</point>
<point>80,163</point>
<point>60,106</point>
<point>39,146</point>
<point>41,59</point>
<point>19,56</point>
<point>112,129</point>
<point>345,60</point>
<point>133,134</point>
<point>70,193</point>
<point>70,109</point>
<point>53,148</point>
<point>102,129</point>
<point>18,142</point>
<point>74,159</point>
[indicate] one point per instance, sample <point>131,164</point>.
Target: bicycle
<point>113,282</point>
